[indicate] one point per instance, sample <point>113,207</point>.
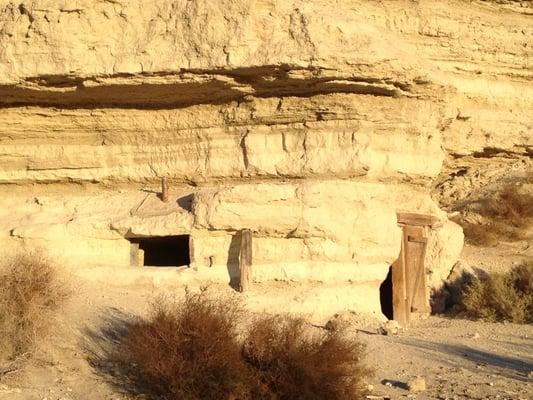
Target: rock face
<point>308,122</point>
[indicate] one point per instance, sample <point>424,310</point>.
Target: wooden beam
<point>415,219</point>
<point>245,260</point>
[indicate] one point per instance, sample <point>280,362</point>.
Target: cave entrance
<point>160,251</point>
<point>385,296</point>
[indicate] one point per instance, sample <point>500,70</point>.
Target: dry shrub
<point>513,206</point>
<point>480,235</point>
<point>294,364</point>
<point>449,297</point>
<point>191,350</point>
<point>510,215</point>
<point>502,296</point>
<point>31,292</point>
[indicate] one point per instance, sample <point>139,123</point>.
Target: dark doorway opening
<point>164,251</point>
<point>385,295</point>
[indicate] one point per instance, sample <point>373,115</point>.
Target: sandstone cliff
<point>310,122</point>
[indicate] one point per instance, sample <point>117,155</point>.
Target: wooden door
<point>409,279</point>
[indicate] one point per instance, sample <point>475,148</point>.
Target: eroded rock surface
<point>310,123</point>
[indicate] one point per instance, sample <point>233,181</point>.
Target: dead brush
<point>501,296</point>
<point>31,292</point>
<point>193,350</point>
<point>514,206</point>
<point>296,365</point>
<point>481,235</point>
<point>510,214</point>
<point>189,350</point>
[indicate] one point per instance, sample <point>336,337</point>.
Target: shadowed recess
<point>163,251</point>
<point>184,89</point>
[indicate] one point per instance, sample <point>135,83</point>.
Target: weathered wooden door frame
<point>409,273</point>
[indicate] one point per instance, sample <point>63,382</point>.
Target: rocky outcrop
<point>310,123</point>
<point>191,89</point>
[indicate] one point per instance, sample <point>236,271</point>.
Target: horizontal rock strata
<point>308,122</point>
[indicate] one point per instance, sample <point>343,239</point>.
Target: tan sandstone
<point>309,122</point>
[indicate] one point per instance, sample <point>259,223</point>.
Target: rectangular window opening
<point>160,251</point>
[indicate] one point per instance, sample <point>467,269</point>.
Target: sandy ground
<point>459,359</point>
<point>498,258</point>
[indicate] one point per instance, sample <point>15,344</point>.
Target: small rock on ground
<point>389,328</point>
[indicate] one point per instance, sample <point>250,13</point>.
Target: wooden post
<point>245,260</point>
<point>164,190</point>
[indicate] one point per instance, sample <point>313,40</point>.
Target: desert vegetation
<point>295,364</point>
<point>32,290</point>
<point>492,296</point>
<point>508,216</point>
<point>194,349</point>
<point>187,350</point>
<point>501,296</point>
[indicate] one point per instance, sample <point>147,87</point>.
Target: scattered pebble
<point>389,328</point>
